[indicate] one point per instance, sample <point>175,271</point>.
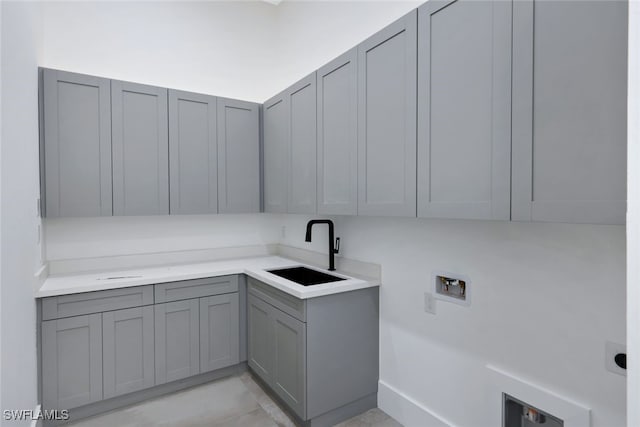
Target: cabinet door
<point>238,156</point>
<point>276,153</point>
<point>177,340</point>
<point>219,332</point>
<point>387,120</point>
<point>193,153</point>
<point>302,146</point>
<point>464,105</point>
<point>140,149</point>
<point>289,368</point>
<point>71,361</point>
<point>77,145</point>
<point>260,337</point>
<point>569,121</point>
<point>127,349</point>
<point>338,136</point>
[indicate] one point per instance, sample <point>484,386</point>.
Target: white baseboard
<point>36,423</point>
<point>406,410</point>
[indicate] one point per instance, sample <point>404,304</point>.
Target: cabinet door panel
<point>177,340</point>
<point>387,120</point>
<point>338,136</point>
<point>140,149</point>
<point>302,146</point>
<point>128,353</point>
<point>77,145</point>
<point>569,122</point>
<point>238,156</point>
<point>193,153</point>
<point>71,361</point>
<point>219,332</point>
<point>464,102</point>
<point>289,369</point>
<point>276,153</point>
<point>260,338</point>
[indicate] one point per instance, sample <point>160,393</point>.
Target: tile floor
<point>236,401</point>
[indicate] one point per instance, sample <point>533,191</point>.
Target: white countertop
<point>254,267</point>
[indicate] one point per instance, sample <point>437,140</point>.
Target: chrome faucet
<point>332,250</point>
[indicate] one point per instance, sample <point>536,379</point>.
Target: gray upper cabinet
<point>177,332</point>
<point>128,353</point>
<point>76,145</point>
<point>276,153</point>
<point>338,136</point>
<point>140,149</point>
<point>238,156</point>
<point>569,121</point>
<point>71,361</point>
<point>464,103</point>
<point>219,332</point>
<point>193,153</point>
<point>387,120</point>
<point>302,146</point>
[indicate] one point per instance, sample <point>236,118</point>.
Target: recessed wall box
<point>451,287</point>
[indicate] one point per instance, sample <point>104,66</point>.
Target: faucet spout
<point>332,249</point>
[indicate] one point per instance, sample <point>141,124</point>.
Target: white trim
<point>573,414</point>
<point>406,410</point>
<point>36,422</point>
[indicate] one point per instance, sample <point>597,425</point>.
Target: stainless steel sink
<point>305,276</point>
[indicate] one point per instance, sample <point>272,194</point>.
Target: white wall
<point>633,217</point>
<point>20,49</point>
<point>546,297</point>
<point>75,238</point>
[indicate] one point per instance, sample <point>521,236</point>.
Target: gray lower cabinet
<point>464,103</point>
<point>76,145</point>
<point>105,344</point>
<point>319,356</point>
<point>302,146</point>
<point>338,136</point>
<point>238,156</point>
<point>177,348</point>
<point>140,149</point>
<point>387,120</point>
<point>219,332</point>
<point>276,153</point>
<point>289,367</point>
<point>193,153</point>
<point>569,120</point>
<point>260,337</point>
<point>72,361</point>
<point>127,348</point>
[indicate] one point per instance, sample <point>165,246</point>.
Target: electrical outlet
<point>283,231</point>
<point>429,303</point>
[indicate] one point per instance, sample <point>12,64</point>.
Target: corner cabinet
<point>106,344</point>
<point>569,122</point>
<point>276,153</point>
<point>290,149</point>
<point>387,120</point>
<point>318,356</point>
<point>464,103</point>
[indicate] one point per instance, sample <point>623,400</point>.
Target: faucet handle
<point>337,246</point>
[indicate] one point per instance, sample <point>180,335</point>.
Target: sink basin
<point>305,276</point>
